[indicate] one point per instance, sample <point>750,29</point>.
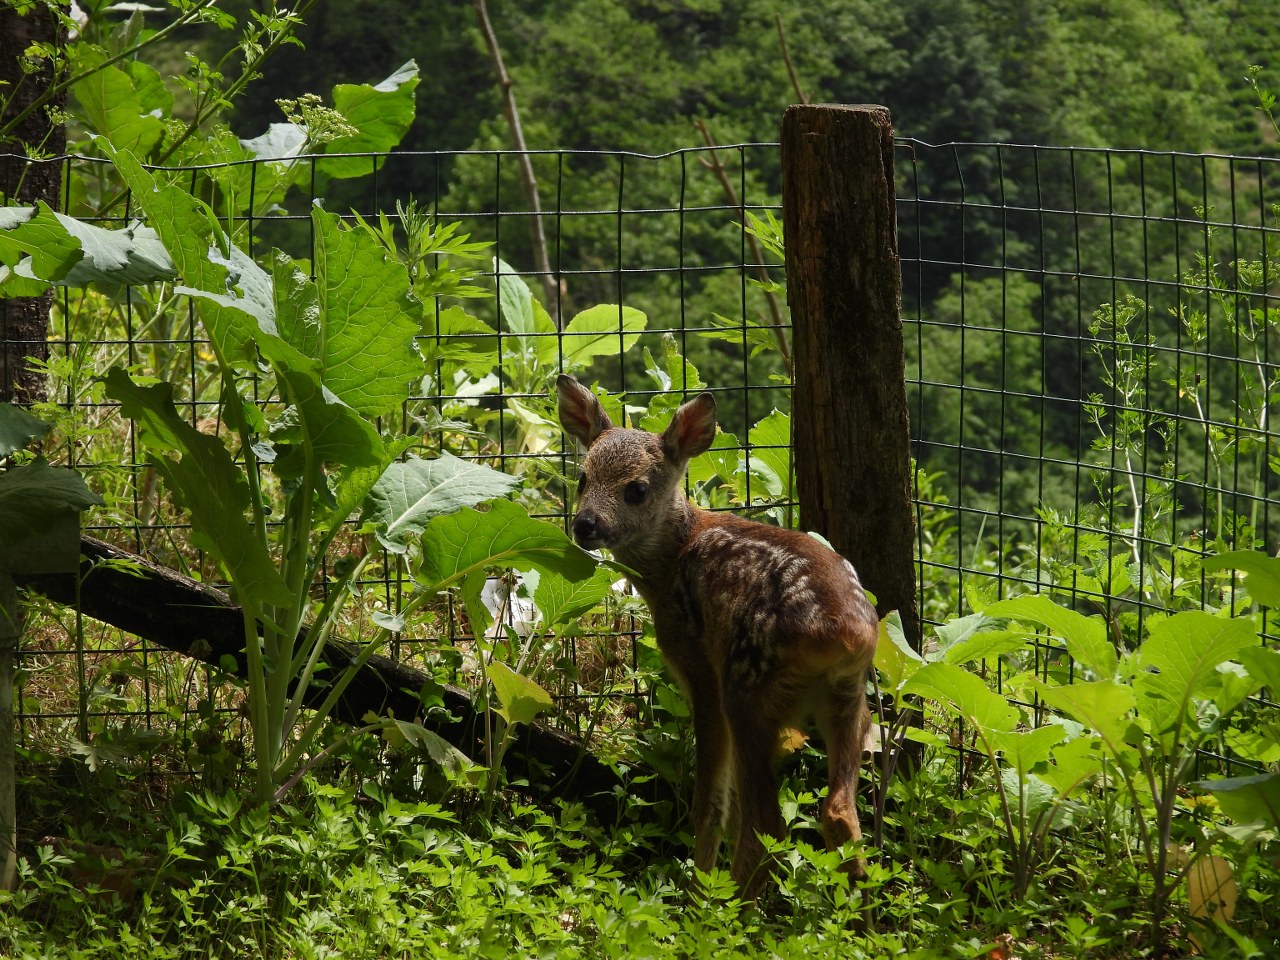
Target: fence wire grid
<point>1089,372</point>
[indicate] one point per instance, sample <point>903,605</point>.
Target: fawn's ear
<point>692,429</point>
<point>580,412</point>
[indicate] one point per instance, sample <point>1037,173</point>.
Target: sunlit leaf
<point>769,458</point>
<point>1075,762</point>
<point>1262,573</point>
<point>124,102</point>
<point>984,645</point>
<point>411,493</point>
<point>1024,749</point>
<point>464,544</point>
<point>360,323</point>
<point>1248,799</point>
<point>1263,664</point>
<point>1102,705</point>
<point>1086,638</point>
<point>1178,662</point>
<point>521,699</point>
<point>895,660</point>
<point>43,248</point>
<point>603,329</point>
<point>382,114</point>
<point>562,600</point>
<point>963,694</point>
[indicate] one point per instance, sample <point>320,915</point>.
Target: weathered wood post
<point>844,285</point>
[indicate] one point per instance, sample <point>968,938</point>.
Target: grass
<point>381,867</point>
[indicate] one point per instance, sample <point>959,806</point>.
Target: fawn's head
<point>631,495</point>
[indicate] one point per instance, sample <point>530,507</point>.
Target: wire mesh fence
<point>1088,362</point>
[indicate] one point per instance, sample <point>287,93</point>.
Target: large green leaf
<point>1102,705</point>
<point>410,494</point>
<point>40,247</point>
<point>1263,664</point>
<point>237,303</point>
<point>125,103</point>
<point>321,421</point>
<point>351,487</point>
<point>436,747</point>
<point>1086,637</point>
<point>18,428</point>
<point>34,243</point>
<point>984,645</point>
<point>203,479</point>
<point>965,695</point>
<point>561,600</point>
<point>723,460</point>
<point>896,662</point>
<point>381,113</point>
<point>769,456</point>
<point>36,495</point>
<point>1178,663</point>
<point>453,336</point>
<point>1248,799</point>
<point>533,331</point>
<point>521,699</point>
<point>366,319</point>
<point>464,544</point>
<point>236,300</point>
<point>1075,761</point>
<point>1024,749</point>
<point>603,329</point>
<point>129,256</point>
<point>1031,794</point>
<point>1262,573</point>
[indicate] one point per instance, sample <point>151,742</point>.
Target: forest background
<point>655,76</point>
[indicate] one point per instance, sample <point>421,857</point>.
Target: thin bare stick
<point>762,270</point>
<point>528,181</point>
<point>801,96</point>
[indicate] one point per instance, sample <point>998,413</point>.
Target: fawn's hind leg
<point>710,782</point>
<point>755,739</point>
<point>844,720</point>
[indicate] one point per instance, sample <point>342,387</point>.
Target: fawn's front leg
<point>711,778</point>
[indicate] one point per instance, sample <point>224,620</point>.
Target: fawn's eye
<point>582,483</point>
<point>635,493</point>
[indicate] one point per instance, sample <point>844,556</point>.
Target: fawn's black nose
<point>586,529</point>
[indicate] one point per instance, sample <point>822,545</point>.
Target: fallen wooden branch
<point>180,614</point>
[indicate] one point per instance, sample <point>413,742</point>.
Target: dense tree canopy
<point>638,74</point>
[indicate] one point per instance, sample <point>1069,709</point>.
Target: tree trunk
<point>24,321</point>
<point>844,284</point>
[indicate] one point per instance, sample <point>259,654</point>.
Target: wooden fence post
<point>844,285</point>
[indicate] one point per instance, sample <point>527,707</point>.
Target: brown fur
<point>762,626</point>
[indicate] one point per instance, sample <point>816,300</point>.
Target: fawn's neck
<point>655,554</point>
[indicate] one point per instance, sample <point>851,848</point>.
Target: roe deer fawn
<point>761,625</point>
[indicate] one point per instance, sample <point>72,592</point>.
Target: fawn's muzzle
<point>588,531</point>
